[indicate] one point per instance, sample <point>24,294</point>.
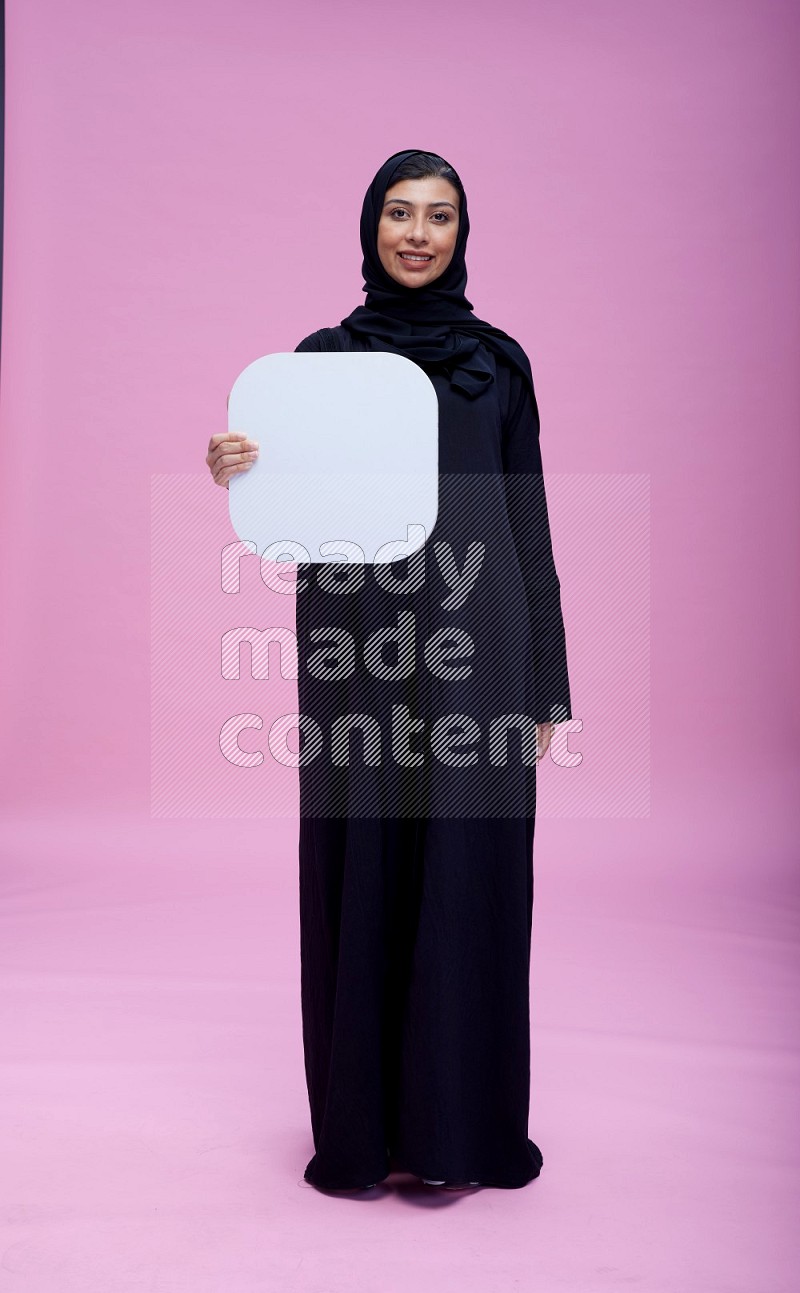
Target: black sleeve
<point>312,342</point>
<point>530,525</point>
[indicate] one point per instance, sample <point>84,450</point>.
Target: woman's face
<point>419,219</point>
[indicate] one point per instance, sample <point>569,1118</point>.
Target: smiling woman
<point>415,876</point>
<point>418,229</point>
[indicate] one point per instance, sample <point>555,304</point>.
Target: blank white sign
<point>348,463</point>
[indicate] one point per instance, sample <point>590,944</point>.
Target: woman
<point>416,874</point>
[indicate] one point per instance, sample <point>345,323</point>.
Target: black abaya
<point>416,883</point>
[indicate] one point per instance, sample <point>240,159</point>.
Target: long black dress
<point>416,876</point>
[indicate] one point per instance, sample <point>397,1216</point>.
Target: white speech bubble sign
<point>348,462</point>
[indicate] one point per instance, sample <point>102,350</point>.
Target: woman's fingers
<point>227,442</point>
<point>230,452</point>
<point>231,463</point>
<point>544,732</point>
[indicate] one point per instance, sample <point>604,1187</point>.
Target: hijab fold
<point>433,324</point>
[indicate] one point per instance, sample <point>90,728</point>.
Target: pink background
<point>183,189</point>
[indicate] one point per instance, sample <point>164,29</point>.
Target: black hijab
<point>433,324</point>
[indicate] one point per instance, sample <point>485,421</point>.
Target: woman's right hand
<point>229,452</point>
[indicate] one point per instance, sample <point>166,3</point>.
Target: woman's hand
<point>544,733</point>
<point>229,452</point>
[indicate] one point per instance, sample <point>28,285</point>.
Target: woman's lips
<point>415,264</point>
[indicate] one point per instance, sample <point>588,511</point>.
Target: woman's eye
<point>398,211</point>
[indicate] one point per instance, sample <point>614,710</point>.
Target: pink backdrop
<point>183,189</point>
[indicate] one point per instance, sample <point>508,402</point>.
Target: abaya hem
<point>397,1164</point>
